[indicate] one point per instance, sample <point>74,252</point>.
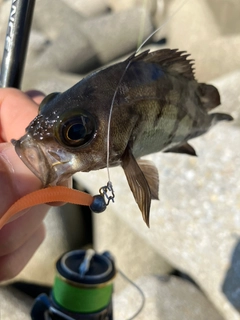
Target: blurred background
<point>188,262</point>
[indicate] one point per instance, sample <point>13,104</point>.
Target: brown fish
<point>158,106</point>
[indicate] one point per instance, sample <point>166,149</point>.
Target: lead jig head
<point>101,200</point>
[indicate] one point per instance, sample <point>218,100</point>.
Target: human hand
<point>20,238</point>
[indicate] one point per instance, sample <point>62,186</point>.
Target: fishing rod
<point>16,43</point>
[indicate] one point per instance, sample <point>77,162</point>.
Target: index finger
<point>16,111</point>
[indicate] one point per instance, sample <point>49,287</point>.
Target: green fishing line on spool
<point>81,298</point>
<point>84,282</point>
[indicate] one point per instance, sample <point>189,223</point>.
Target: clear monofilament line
<point>163,25</point>
<point>110,118</point>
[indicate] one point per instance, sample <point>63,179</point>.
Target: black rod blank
<point>16,42</point>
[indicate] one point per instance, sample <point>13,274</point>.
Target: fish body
<point>157,106</point>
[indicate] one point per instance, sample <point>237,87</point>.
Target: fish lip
<point>32,155</point>
<point>50,163</point>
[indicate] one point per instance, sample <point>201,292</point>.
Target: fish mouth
<point>48,164</point>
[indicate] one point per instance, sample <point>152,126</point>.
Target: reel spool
<point>82,289</point>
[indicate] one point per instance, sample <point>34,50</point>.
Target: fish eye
<point>77,131</point>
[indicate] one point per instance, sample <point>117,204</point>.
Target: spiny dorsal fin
<point>172,60</point>
<point>137,57</point>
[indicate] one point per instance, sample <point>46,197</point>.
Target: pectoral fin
<point>138,182</point>
<point>184,148</point>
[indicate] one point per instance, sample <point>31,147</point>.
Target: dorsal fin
<point>172,60</point>
<point>140,56</point>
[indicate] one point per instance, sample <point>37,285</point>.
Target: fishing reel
<point>82,289</point>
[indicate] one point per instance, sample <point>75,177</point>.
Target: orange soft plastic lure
<point>50,194</point>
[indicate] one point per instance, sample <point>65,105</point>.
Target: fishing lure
<point>51,194</point>
<point>96,203</point>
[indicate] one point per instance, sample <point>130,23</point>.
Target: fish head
<point>69,135</point>
<point>59,141</point>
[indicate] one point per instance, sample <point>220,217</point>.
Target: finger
<point>16,179</point>
<point>35,95</point>
<point>14,234</point>
<point>12,264</point>
<point>16,111</point>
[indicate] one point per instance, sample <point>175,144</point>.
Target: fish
<point>150,102</point>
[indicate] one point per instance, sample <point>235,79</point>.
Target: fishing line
<point>143,299</point>
<point>120,81</point>
<point>142,23</point>
<point>164,23</point>
<point>110,116</point>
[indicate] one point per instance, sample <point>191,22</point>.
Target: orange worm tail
<point>50,194</point>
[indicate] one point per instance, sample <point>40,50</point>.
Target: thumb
<point>16,179</point>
